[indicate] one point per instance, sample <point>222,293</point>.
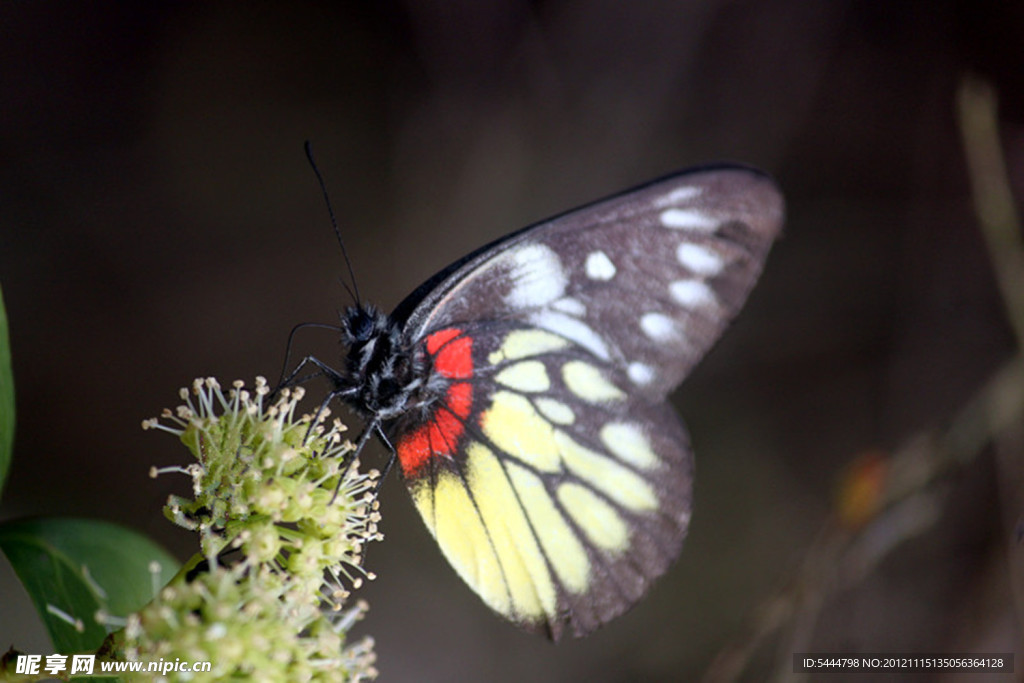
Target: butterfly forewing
<point>647,279</point>
<point>552,472</point>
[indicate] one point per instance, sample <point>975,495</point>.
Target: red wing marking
<point>439,436</point>
<point>452,357</point>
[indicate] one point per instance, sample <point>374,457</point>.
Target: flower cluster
<point>283,515</point>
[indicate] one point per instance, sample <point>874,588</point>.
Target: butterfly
<point>522,390</point>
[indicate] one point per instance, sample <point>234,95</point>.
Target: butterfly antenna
<point>354,291</point>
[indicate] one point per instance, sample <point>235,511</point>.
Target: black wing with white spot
<point>646,280</point>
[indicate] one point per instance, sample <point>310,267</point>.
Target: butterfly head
<point>362,324</point>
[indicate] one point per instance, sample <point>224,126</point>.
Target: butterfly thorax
<point>384,377</point>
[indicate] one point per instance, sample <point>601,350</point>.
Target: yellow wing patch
<point>526,343</point>
<point>516,428</point>
<point>483,531</point>
<point>587,382</point>
<point>604,474</point>
<point>528,376</point>
<point>629,444</point>
<point>452,518</point>
<point>526,574</point>
<point>555,410</point>
<point>600,522</point>
<point>560,543</point>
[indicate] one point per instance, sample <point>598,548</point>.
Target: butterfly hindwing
<point>551,470</point>
<point>559,495</point>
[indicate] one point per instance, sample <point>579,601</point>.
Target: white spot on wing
<point>572,329</point>
<point>569,305</point>
<point>677,196</point>
<point>687,219</point>
<point>691,293</point>
<point>599,266</point>
<point>640,373</point>
<point>699,259</point>
<point>537,276</point>
<point>659,327</point>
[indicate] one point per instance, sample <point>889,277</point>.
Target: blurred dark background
<point>158,222</point>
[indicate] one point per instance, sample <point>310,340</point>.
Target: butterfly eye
<point>357,325</point>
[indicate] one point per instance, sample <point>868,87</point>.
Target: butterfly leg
<point>322,370</point>
<point>372,428</point>
<point>392,456</point>
<point>351,456</point>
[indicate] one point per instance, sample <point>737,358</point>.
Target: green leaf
<point>79,566</point>
<point>6,398</point>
